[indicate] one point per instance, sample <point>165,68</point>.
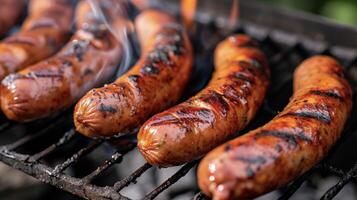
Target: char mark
<point>320,116</point>
<point>217,101</point>
<point>241,76</point>
<point>260,160</point>
<point>290,138</point>
<point>328,93</point>
<point>107,108</point>
<point>149,69</point>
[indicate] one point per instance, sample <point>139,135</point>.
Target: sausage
<point>229,102</point>
<point>10,12</point>
<point>155,82</point>
<point>44,31</point>
<point>88,60</point>
<point>290,144</point>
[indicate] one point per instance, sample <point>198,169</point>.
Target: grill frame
<point>268,32</point>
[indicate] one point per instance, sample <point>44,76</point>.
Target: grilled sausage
<point>88,60</point>
<point>42,34</point>
<point>229,102</point>
<point>10,12</point>
<point>289,145</point>
<point>155,82</point>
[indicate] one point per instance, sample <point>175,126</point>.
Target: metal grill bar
<point>66,137</point>
<point>77,156</point>
<point>116,158</point>
<point>333,191</point>
<point>173,179</point>
<point>132,178</point>
<point>280,53</point>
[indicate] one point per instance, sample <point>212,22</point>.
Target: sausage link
<point>155,82</point>
<point>289,145</point>
<point>44,31</point>
<point>88,60</point>
<point>10,12</point>
<point>229,102</point>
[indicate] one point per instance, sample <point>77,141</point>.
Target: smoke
<point>121,29</point>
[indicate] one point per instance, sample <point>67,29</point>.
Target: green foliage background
<point>344,11</point>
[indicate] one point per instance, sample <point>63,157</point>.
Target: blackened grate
<point>50,149</point>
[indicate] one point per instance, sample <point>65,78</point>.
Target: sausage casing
<point>289,145</point>
<point>230,101</point>
<point>155,82</point>
<point>10,12</point>
<point>88,60</point>
<point>44,31</point>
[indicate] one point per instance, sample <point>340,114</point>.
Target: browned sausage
<point>88,60</point>
<point>229,102</point>
<point>289,145</point>
<point>155,82</point>
<point>44,31</point>
<point>10,12</point>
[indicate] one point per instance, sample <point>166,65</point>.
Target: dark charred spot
<point>107,108</point>
<point>217,101</point>
<point>241,76</point>
<point>150,69</point>
<point>291,138</point>
<point>158,56</point>
<point>328,93</point>
<point>66,63</point>
<point>79,47</point>
<point>174,48</point>
<point>87,72</point>
<point>278,148</point>
<point>205,113</point>
<point>98,29</point>
<point>318,115</point>
<point>45,75</point>
<point>256,64</point>
<point>252,160</point>
<point>227,147</point>
<point>249,172</point>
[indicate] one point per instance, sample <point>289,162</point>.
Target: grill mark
<point>107,108</point>
<point>328,93</point>
<point>241,76</point>
<point>19,41</point>
<point>158,56</point>
<point>216,100</point>
<point>79,47</point>
<point>260,160</point>
<point>46,75</point>
<point>311,115</point>
<point>290,138</point>
<point>43,24</point>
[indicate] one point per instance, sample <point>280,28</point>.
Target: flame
<point>188,10</point>
<point>234,15</point>
<point>121,34</point>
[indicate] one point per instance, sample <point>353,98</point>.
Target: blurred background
<point>343,11</point>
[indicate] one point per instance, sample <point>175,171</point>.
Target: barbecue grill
<point>51,151</point>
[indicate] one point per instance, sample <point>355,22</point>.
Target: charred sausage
<point>189,130</point>
<point>155,82</point>
<point>44,31</point>
<point>289,145</point>
<point>10,12</point>
<point>88,60</point>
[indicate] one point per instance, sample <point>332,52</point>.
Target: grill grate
<point>284,57</point>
